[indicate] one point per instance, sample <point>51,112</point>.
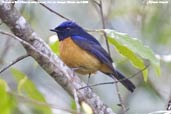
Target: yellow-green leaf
<point>134,59</point>
<point>21,84</point>
<point>28,87</point>
<point>73,105</point>
<point>136,47</point>
<point>6,101</point>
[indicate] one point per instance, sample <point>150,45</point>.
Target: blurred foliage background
<point>30,86</point>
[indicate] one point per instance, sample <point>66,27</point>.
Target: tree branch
<point>48,60</point>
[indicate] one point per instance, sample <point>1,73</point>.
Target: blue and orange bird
<point>81,51</point>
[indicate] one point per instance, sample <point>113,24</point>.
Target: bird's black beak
<point>53,30</point>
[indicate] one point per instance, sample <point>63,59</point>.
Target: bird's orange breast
<point>77,58</point>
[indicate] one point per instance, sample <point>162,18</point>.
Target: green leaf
<point>6,101</point>
<point>21,84</point>
<point>55,47</point>
<point>129,47</point>
<point>73,105</point>
<point>54,44</point>
<point>134,59</point>
<point>28,87</point>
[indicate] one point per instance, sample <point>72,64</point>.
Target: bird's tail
<point>127,83</point>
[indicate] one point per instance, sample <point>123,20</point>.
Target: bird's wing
<point>94,48</point>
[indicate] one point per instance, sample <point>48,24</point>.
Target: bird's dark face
<point>66,29</point>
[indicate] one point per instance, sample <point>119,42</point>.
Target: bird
<point>81,51</point>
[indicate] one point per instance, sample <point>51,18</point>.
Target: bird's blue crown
<point>67,24</point>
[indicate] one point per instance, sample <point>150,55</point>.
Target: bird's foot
<point>88,85</point>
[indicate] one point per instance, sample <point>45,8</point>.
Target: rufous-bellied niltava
<point>80,50</point>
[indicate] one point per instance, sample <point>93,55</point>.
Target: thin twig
<point>169,105</point>
<point>169,102</point>
<point>20,58</point>
<point>107,44</point>
<point>106,83</point>
<point>96,2</point>
<point>54,12</point>
<point>104,26</point>
<point>18,39</point>
<point>124,110</point>
<point>13,62</point>
<point>58,14</point>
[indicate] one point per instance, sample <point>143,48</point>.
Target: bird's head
<point>66,29</point>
